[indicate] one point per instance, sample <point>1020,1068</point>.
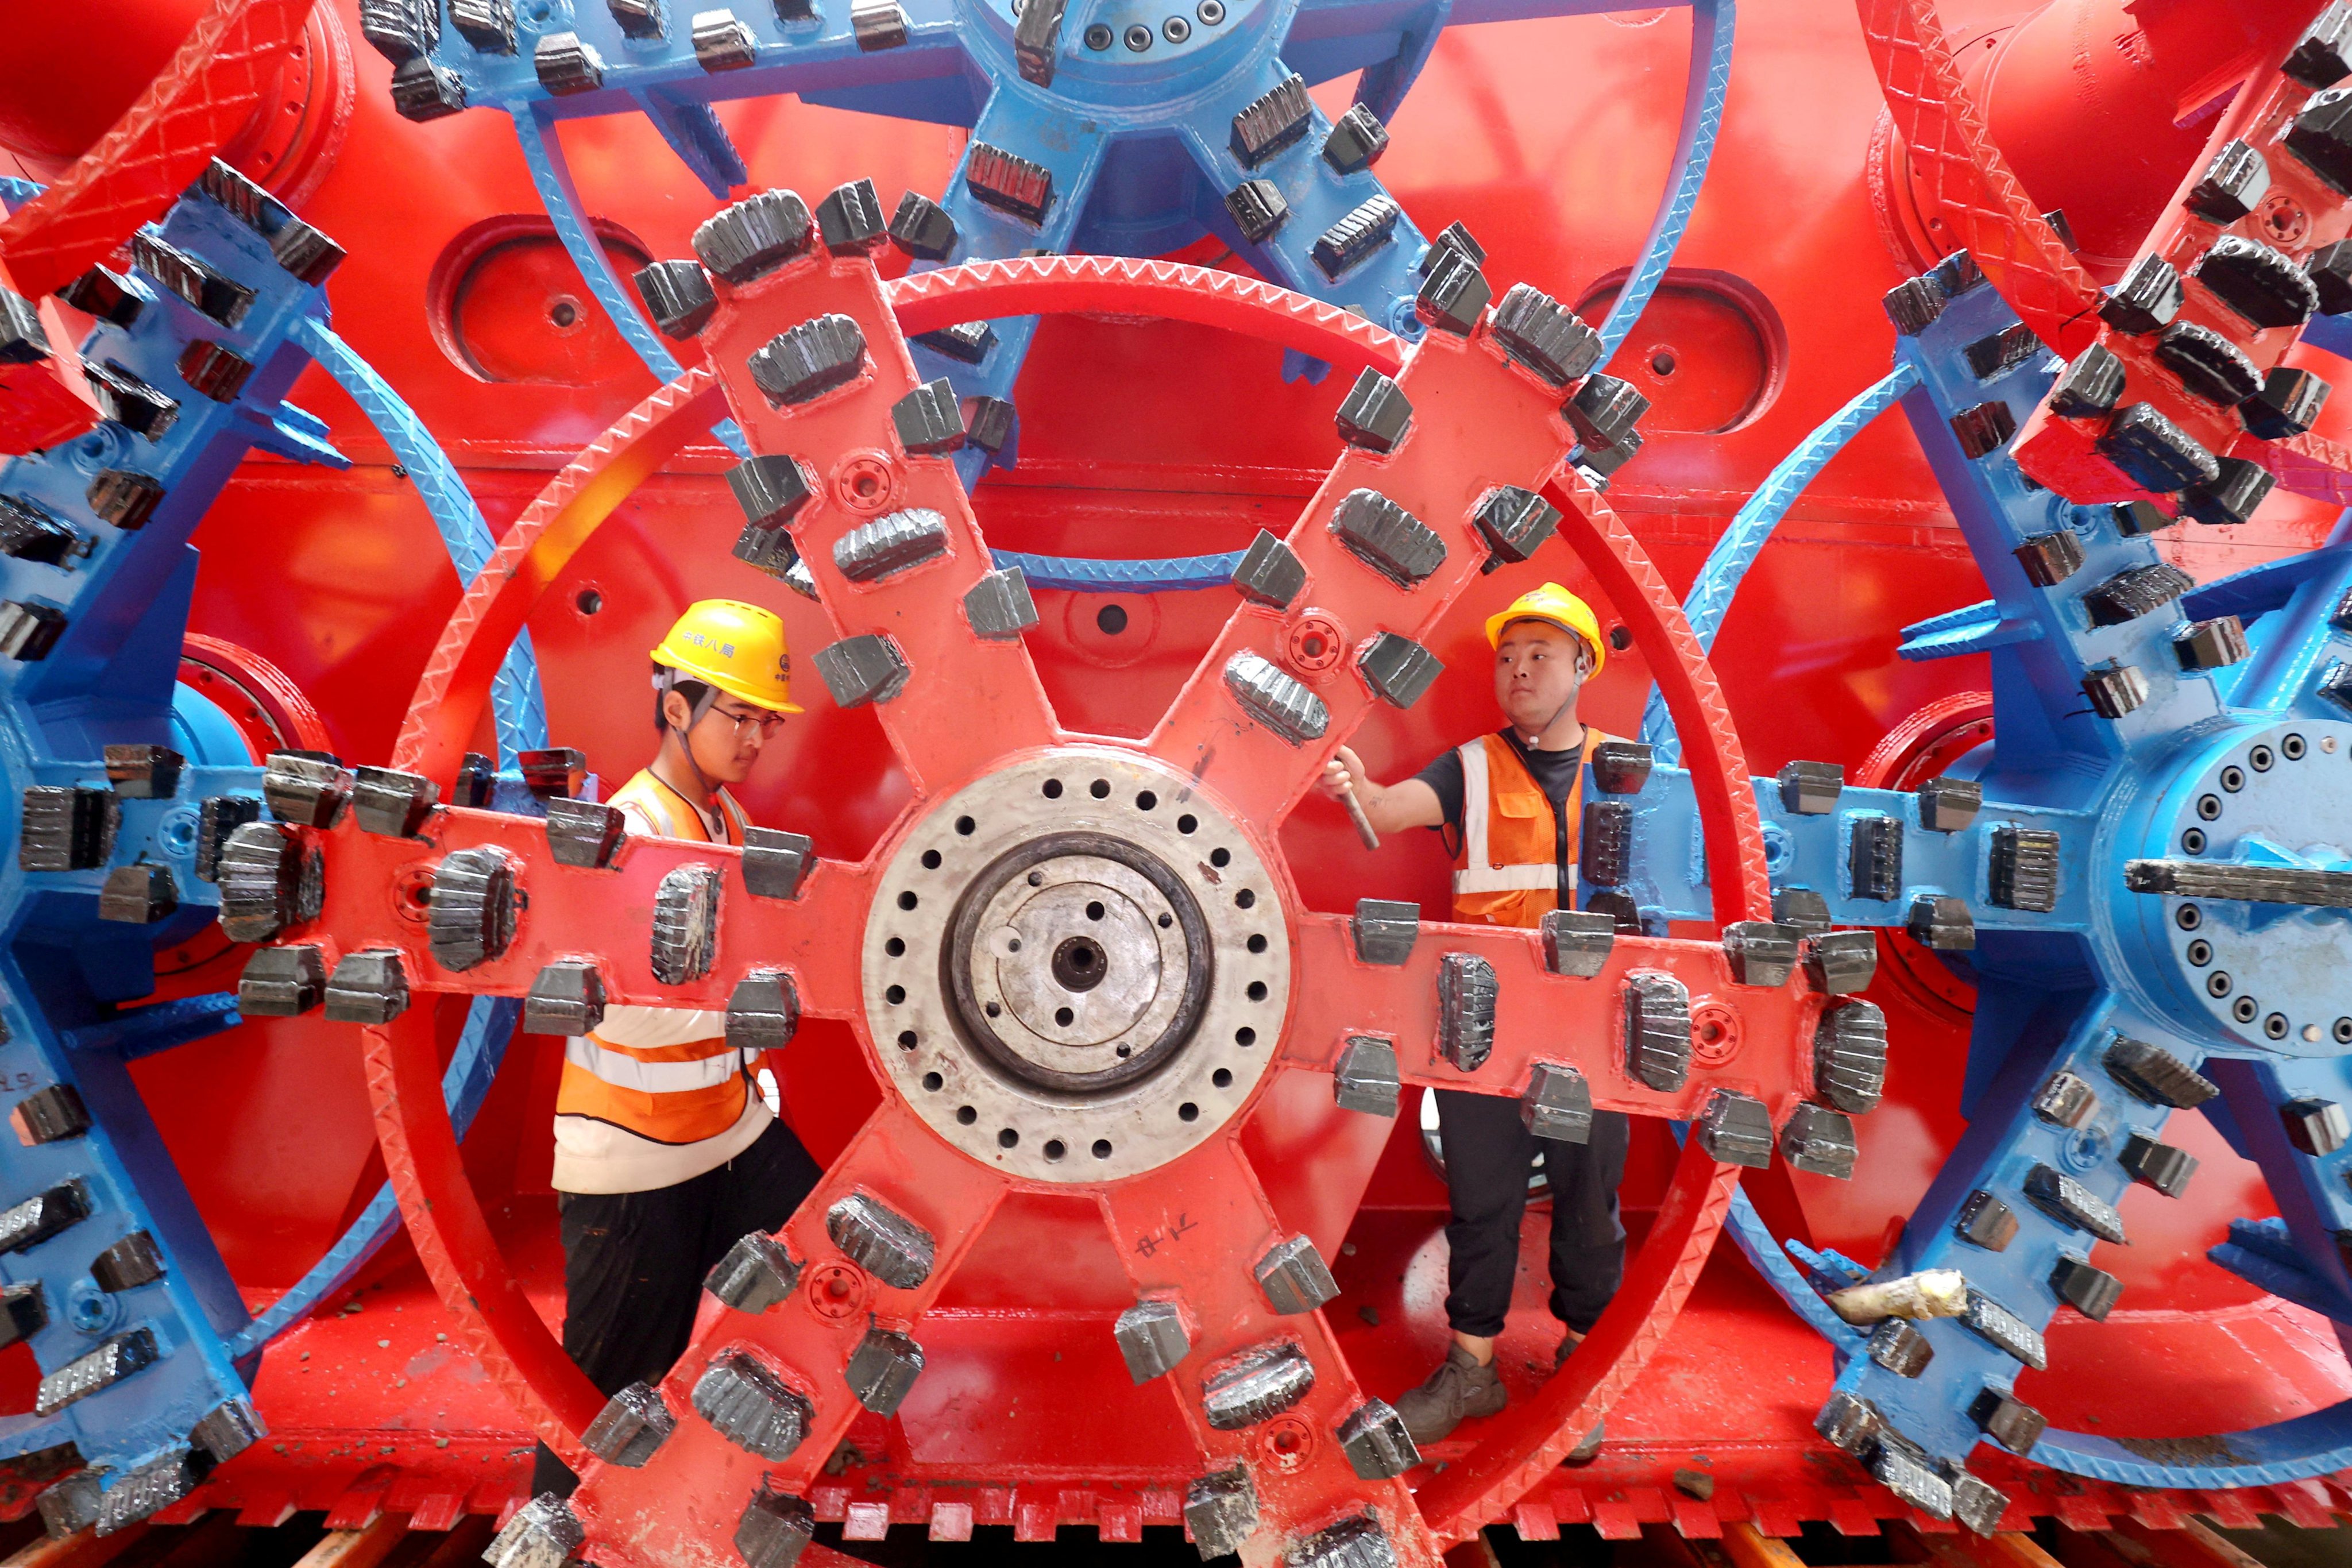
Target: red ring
<point>444,1217</point>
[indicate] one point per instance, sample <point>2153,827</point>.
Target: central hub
<point>1076,968</point>
<point>1079,962</point>
<point>2224,925</point>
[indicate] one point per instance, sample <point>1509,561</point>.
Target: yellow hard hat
<point>737,648</point>
<point>1563,609</point>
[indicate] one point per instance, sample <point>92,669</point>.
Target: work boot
<point>1458,1388</point>
<point>1584,1453</point>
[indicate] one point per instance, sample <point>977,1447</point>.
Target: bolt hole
<point>1663,362</point>
<point>1257,991</point>
<point>1221,856</point>
<point>1102,1149</point>
<point>1186,823</point>
<point>1122,1051</point>
<point>1167,921</point>
<point>2217,983</point>
<point>2291,748</point>
<point>907,1039</point>
<point>2344,1031</point>
<point>1099,38</point>
<point>966,1115</point>
<point>907,900</point>
<point>965,825</point>
<point>1064,1016</point>
<point>1052,789</point>
<point>1147,801</point>
<point>994,1010</point>
<point>2193,841</point>
<point>1311,645</point>
<point>1176,29</point>
<point>930,860</point>
<point>2275,1026</point>
<point>865,485</point>
<point>1210,12</point>
<point>1245,898</point>
<point>1222,1077</point>
<point>1188,1111</point>
<point>1257,942</point>
<point>564,312</point>
<point>895,995</point>
<point>895,947</point>
<point>1620,638</point>
<point>2209,806</point>
<point>1099,789</point>
<point>1094,912</point>
<point>933,1082</point>
<point>588,601</point>
<point>2260,758</point>
<point>1138,37</point>
<point>1244,1035</point>
<point>1054,1148</point>
<point>2189,917</point>
<point>2234,779</point>
<point>2244,1009</point>
<point>1006,1138</point>
<point>1111,620</point>
<point>2200,952</point>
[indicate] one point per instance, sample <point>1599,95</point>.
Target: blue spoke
<point>517,707</point>
<point>1712,25</point>
<point>1751,527</point>
<point>542,155</point>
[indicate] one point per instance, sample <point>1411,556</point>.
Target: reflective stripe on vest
<point>1476,873</point>
<point>618,1067</point>
<point>676,1092</point>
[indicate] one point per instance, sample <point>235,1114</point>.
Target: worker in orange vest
<point>665,1152</point>
<point>1511,802</point>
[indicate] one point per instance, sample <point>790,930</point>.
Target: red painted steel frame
<point>1480,420</point>
<point>158,148</point>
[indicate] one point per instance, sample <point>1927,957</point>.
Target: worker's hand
<point>1343,775</point>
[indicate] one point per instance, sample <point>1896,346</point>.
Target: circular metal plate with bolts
<point>1076,969</point>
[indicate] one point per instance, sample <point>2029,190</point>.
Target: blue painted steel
<point>1136,142</point>
<point>518,710</point>
<point>2243,766</point>
<point>488,1028</point>
<point>1712,25</point>
<point>1751,527</point>
<point>111,676</point>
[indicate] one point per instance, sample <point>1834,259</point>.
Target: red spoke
<point>495,1319</point>
<point>968,699</point>
<point>806,1341</point>
<point>1526,1443</point>
<point>1192,1234</point>
<point>1762,1046</point>
<point>1477,422</point>
<point>571,911</point>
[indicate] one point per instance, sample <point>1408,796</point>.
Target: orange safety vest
<point>1511,865</point>
<point>674,1093</point>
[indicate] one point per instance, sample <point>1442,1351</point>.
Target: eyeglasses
<point>767,723</point>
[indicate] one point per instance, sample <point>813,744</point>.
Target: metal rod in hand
<point>1356,815</point>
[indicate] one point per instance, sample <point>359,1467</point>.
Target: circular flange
<point>1076,969</point>
<point>2265,974</point>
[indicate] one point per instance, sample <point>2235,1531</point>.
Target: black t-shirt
<point>1555,773</point>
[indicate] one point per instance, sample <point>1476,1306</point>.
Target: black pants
<point>633,1265</point>
<point>1488,1152</point>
